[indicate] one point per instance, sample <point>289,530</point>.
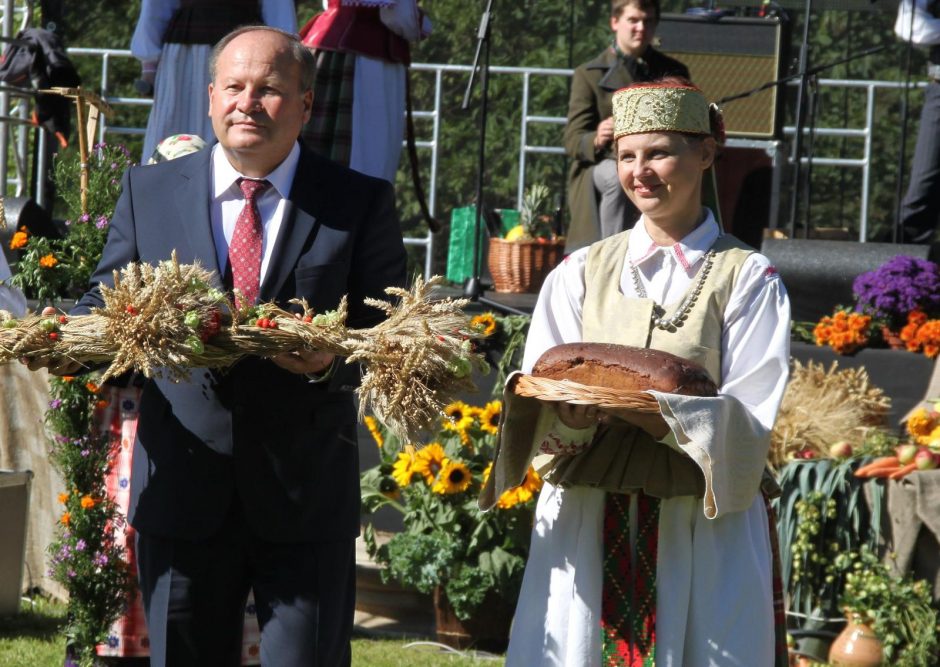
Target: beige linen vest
<point>623,458</point>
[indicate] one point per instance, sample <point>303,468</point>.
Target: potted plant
<point>890,618</point>
<point>520,261</point>
<point>470,560</point>
<point>896,305</point>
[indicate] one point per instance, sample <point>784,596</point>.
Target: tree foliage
<point>562,34</point>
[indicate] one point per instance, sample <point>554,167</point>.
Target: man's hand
<point>57,367</point>
<point>304,361</point>
<point>605,133</point>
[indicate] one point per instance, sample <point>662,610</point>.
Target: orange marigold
<point>66,518</point>
<point>87,502</point>
<point>48,261</point>
<point>844,332</point>
<point>928,337</point>
<point>19,240</point>
<point>63,497</point>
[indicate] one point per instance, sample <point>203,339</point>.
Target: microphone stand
<point>805,74</point>
<point>473,288</point>
<point>800,120</point>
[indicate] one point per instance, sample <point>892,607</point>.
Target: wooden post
<point>88,107</point>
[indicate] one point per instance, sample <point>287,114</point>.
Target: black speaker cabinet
<point>730,56</point>
<point>818,274</point>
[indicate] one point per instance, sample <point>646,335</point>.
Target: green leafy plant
<point>447,542</point>
<point>898,609</point>
<point>504,343</point>
<point>53,269</point>
<point>85,557</point>
<point>822,512</point>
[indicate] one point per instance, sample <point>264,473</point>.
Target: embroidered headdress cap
<point>660,108</point>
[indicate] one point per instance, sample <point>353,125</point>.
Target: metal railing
<point>531,118</point>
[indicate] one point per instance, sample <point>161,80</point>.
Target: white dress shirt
<point>227,201</point>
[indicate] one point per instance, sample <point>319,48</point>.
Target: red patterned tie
<point>244,252</point>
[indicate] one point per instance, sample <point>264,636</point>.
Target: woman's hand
<point>578,416</point>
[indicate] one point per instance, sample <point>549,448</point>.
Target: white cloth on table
<point>715,606</point>
<point>181,99</point>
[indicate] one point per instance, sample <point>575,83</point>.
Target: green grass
<point>34,638</point>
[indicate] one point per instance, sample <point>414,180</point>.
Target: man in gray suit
<point>249,477</point>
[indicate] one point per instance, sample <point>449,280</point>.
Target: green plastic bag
<point>460,248</point>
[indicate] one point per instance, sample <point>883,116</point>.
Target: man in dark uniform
<point>597,202</point>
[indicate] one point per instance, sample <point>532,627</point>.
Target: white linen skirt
<point>713,591</point>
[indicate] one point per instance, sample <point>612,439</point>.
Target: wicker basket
<point>546,389</point>
<point>521,266</point>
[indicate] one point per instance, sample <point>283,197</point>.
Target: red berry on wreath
<point>53,336</point>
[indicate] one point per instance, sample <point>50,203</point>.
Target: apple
<point>906,453</point>
<point>840,450</point>
<point>48,310</point>
<point>925,460</point>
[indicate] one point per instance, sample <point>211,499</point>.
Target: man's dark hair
<point>299,53</point>
<point>617,7</point>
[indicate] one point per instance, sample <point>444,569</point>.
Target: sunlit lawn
<point>34,638</point>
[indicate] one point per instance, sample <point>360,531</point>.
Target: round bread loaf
<point>624,368</point>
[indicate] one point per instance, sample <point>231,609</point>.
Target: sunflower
<point>523,493</point>
<point>373,425</point>
<point>403,469</point>
<point>453,478</point>
<point>485,323</point>
<point>509,498</point>
<point>489,416</point>
<point>460,416</point>
<point>428,461</point>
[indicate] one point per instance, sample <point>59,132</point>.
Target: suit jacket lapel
<point>298,225</point>
<point>194,187</point>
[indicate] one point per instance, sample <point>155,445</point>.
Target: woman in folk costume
<point>359,92</point>
<point>653,542</point>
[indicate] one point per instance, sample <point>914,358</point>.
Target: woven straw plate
<point>546,389</point>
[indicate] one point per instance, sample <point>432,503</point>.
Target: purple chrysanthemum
<point>897,287</point>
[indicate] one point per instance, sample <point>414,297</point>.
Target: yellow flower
<point>64,497</point>
<point>533,481</point>
<point>87,502</point>
<point>403,469</point>
<point>453,478</point>
<point>19,240</point>
<point>523,493</point>
<point>428,461</point>
<point>486,471</point>
<point>489,416</point>
<point>509,498</point>
<point>484,323</point>
<point>920,423</point>
<point>460,414</point>
<point>48,261</point>
<point>373,425</point>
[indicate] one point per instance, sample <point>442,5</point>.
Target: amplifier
<point>729,56</point>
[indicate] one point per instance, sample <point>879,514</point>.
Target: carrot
<point>877,464</point>
<point>884,472</point>
<point>903,470</point>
